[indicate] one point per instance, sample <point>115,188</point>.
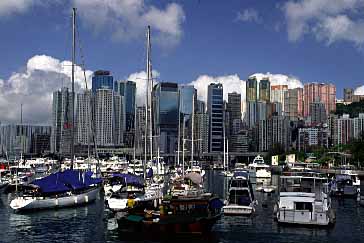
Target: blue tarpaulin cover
<point>67,180</point>
<point>130,179</point>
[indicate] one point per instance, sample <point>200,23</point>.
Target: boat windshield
<point>239,183</point>
<point>240,197</point>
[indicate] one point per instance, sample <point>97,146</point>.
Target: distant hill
<point>352,109</point>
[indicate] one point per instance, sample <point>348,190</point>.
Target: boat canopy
<point>130,179</point>
<point>194,177</point>
<point>67,180</point>
<point>244,174</point>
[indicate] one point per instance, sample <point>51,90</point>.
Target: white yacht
<point>304,199</point>
<point>258,169</point>
<point>240,198</point>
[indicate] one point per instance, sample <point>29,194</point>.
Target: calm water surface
<point>90,223</point>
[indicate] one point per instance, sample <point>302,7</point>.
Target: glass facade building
<point>215,110</point>
<point>166,107</point>
<point>102,79</point>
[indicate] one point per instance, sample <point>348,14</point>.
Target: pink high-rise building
<point>326,93</point>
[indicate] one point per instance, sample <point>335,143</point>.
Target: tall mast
<point>193,121</point>
<point>224,134</point>
<point>150,82</point>
<point>135,127</point>
<point>73,85</point>
<point>179,127</point>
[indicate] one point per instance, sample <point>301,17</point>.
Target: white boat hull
<point>29,203</point>
<point>238,210</point>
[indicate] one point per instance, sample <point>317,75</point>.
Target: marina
<point>91,222</point>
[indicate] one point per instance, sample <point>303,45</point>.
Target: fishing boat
<point>304,200</point>
<point>240,198</point>
<point>60,189</point>
<point>177,215</point>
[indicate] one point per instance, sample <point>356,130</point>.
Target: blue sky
<point>311,40</point>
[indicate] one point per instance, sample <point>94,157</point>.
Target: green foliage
<point>352,109</point>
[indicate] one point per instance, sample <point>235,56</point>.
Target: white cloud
<point>9,7</point>
<point>359,90</point>
<point>33,88</point>
<point>127,19</point>
<point>280,79</point>
<point>327,20</point>
<point>140,78</point>
<point>249,15</point>
<point>231,83</point>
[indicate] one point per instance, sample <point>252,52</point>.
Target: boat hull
<point>32,203</point>
<point>236,210</point>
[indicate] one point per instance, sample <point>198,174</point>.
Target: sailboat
<point>61,189</point>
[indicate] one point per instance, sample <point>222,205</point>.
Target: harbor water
<point>91,224</point>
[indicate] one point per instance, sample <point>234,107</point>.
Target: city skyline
<point>226,49</point>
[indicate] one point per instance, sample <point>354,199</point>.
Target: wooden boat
<point>180,215</point>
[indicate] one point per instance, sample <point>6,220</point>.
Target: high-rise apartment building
<point>277,94</point>
<point>318,112</point>
<point>312,137</point>
<point>345,129</point>
<point>83,118</point>
<point>215,110</point>
<point>127,91</point>
<point>293,103</point>
<point>326,93</point>
<point>62,121</point>
<point>359,126</point>
<point>348,95</point>
<point>104,115</point>
<point>273,131</point>
<point>234,111</point>
<point>251,101</point>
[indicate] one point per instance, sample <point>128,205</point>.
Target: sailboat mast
<point>150,82</point>
<point>179,127</point>
<point>192,126</point>
<point>73,85</point>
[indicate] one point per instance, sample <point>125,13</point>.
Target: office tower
<point>359,126</point>
<point>140,129</point>
<point>332,125</point>
<point>312,137</point>
<point>234,111</point>
<point>326,92</point>
<point>118,119</point>
<point>103,113</point>
<point>127,91</point>
<point>187,92</point>
<point>83,118</point>
<point>202,128</point>
<point>166,109</point>
<point>293,103</point>
<point>318,112</point>
<point>251,101</point>
<point>61,121</point>
<point>345,129</point>
<point>264,90</point>
<point>261,110</point>
<point>102,80</point>
<point>348,95</point>
<point>215,106</point>
<point>274,131</point>
<point>201,107</point>
<point>277,94</point>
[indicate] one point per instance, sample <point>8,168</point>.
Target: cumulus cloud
<point>327,20</point>
<point>127,19</point>
<point>248,15</point>
<point>231,83</point>
<point>140,78</point>
<point>359,90</point>
<point>10,7</point>
<point>33,88</point>
<point>280,79</point>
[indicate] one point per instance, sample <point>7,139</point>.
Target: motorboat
<point>240,198</point>
<point>343,185</point>
<point>259,170</point>
<point>304,200</point>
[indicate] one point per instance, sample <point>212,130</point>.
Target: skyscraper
<point>264,90</point>
<point>293,103</point>
<point>166,115</point>
<point>251,101</point>
<point>61,121</point>
<point>359,126</point>
<point>234,110</point>
<point>127,90</point>
<point>215,112</point>
<point>102,80</point>
<point>83,118</point>
<point>326,92</point>
<point>318,112</point>
<point>103,113</point>
<point>345,129</point>
<point>277,95</point>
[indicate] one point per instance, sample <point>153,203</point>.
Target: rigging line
<point>83,65</point>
